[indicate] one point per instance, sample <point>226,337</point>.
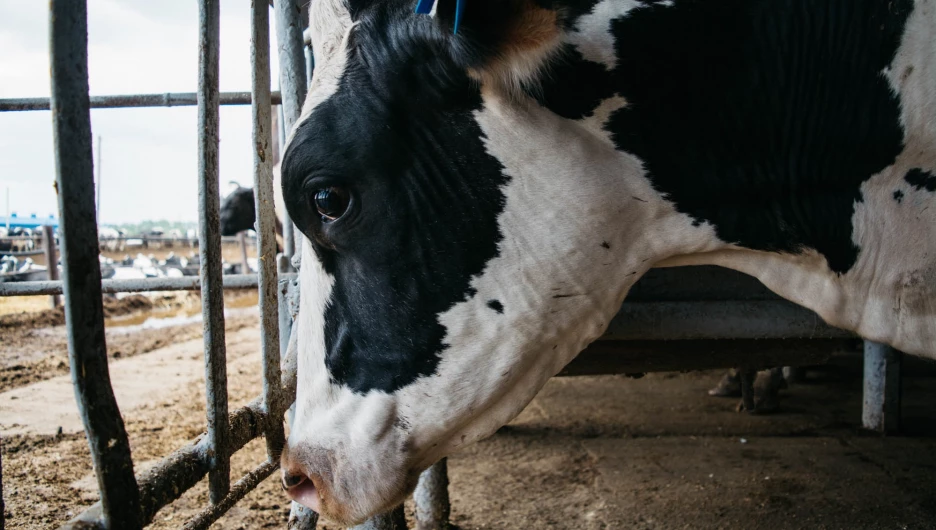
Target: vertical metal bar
<point>747,375</point>
<point>2,504</point>
<point>84,311</point>
<point>209,250</point>
<point>266,224</point>
<point>881,407</point>
<point>242,242</point>
<point>51,258</point>
<point>99,168</point>
<point>293,83</point>
<point>300,518</point>
<point>432,499</point>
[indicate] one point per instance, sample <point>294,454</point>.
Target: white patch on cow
<point>571,203</point>
<point>596,122</point>
<point>592,35</point>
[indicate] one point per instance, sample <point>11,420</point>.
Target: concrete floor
<point>658,453</point>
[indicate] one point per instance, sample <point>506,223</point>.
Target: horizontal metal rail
<point>722,319</point>
<point>22,253</point>
<point>188,283</point>
<point>121,101</point>
<point>224,239</point>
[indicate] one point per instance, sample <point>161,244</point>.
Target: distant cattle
<point>238,213</point>
<point>477,204</point>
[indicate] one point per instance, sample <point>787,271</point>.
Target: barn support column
<point>881,409</point>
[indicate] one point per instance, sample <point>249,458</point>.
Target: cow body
<point>477,206</point>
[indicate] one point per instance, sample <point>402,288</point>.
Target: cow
<point>475,204</point>
<point>238,213</point>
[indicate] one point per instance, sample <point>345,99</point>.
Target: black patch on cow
<point>496,306</point>
<point>573,100</point>
<point>921,180</point>
<point>762,117</point>
<point>400,135</point>
<point>898,196</point>
<point>605,244</point>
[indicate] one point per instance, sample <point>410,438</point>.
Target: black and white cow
<point>477,205</point>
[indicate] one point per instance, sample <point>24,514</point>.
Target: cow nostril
<point>290,481</point>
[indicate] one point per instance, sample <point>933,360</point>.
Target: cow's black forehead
<point>400,134</point>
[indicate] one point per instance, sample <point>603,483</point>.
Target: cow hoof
<point>767,388</point>
<point>728,386</point>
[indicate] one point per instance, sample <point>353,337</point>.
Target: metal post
<point>266,225</point>
<point>747,375</point>
<point>2,504</point>
<point>432,499</point>
<point>881,408</point>
<point>209,250</point>
<point>100,164</point>
<point>242,241</point>
<point>84,311</point>
<point>51,257</point>
<point>120,101</point>
<point>293,85</point>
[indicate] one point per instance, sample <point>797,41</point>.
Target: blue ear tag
<point>424,7</point>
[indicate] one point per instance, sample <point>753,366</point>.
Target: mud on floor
<point>34,345</point>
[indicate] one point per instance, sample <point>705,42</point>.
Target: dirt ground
<point>590,453</point>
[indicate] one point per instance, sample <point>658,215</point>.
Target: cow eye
<point>331,203</point>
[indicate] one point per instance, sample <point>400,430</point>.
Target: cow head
<point>462,242</point>
<point>238,212</point>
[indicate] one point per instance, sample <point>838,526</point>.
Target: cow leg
<point>767,388</point>
<point>747,376</point>
<point>728,386</point>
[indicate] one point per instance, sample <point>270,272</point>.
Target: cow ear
<point>496,34</point>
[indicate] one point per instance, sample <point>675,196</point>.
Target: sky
<point>149,168</point>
